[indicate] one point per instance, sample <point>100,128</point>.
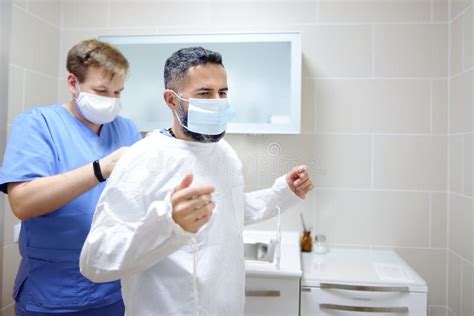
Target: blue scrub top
<point>46,141</point>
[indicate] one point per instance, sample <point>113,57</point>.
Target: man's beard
<point>202,138</point>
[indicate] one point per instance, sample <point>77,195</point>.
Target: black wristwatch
<point>97,171</point>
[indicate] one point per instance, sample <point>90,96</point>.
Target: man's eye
<point>223,94</point>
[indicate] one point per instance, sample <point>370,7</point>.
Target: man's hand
<point>299,181</point>
<point>107,164</point>
<point>192,205</point>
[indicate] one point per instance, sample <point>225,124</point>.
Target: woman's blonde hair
<point>96,54</point>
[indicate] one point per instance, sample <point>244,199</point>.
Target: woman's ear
<point>170,99</point>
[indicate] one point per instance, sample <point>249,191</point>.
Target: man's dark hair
<point>177,65</point>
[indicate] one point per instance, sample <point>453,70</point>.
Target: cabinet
<point>263,70</point>
<point>271,296</point>
<point>361,281</point>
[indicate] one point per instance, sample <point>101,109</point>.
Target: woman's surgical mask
<point>96,108</point>
<point>207,116</point>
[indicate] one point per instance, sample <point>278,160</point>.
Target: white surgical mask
<point>207,116</point>
<point>96,108</point>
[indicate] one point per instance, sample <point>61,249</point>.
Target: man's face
<point>97,82</point>
<point>207,81</point>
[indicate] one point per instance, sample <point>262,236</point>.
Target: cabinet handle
<point>262,293</point>
<point>367,309</point>
<point>331,286</point>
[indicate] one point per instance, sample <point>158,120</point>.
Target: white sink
<point>261,252</point>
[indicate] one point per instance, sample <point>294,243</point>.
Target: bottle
<point>320,247</point>
<point>306,241</point>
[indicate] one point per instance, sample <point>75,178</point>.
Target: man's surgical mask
<point>98,109</point>
<point>207,116</point>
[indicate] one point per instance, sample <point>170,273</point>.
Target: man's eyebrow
<point>203,88</point>
<point>224,89</point>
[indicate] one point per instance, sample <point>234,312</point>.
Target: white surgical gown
<point>165,270</point>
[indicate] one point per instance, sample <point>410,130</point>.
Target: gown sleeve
<point>263,204</point>
<point>130,230</point>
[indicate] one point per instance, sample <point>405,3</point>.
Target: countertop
<point>290,262</point>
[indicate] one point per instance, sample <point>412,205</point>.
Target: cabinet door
<point>263,74</point>
<point>332,302</point>
<point>267,296</point>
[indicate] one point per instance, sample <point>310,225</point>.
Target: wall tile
<point>9,311</point>
<point>439,99</point>
<point>456,161</point>
<point>163,13</point>
<point>439,220</point>
<point>468,168</point>
<point>381,106</point>
<point>440,10</point>
<point>78,13</point>
<point>431,265</point>
<point>344,106</point>
<point>456,45</point>
<point>411,50</point>
<point>246,147</point>
<point>262,13</point>
<point>15,92</point>
<point>467,288</point>
<point>344,161</point>
<point>281,153</point>
<point>372,217</point>
<point>468,39</point>
<point>435,310</point>
<point>40,90</point>
<point>36,43</point>
<point>337,51</point>
<point>458,6</point>
<point>461,224</point>
<point>461,106</point>
<point>454,283</point>
<point>20,3</point>
<point>410,162</point>
<point>11,261</point>
<point>308,106</point>
<point>50,10</point>
<point>402,106</point>
<point>9,220</point>
<point>375,11</point>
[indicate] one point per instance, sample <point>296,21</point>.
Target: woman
<point>56,161</point>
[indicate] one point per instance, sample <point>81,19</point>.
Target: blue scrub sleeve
<point>30,152</point>
<point>136,133</point>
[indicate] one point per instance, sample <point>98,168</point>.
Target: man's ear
<point>71,81</point>
<point>170,99</point>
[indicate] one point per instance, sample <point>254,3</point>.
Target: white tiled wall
<point>375,112</point>
<point>33,80</point>
<point>460,295</point>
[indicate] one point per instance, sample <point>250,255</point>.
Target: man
<point>169,224</point>
<point>55,163</point>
